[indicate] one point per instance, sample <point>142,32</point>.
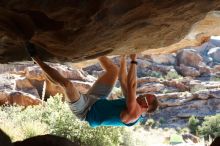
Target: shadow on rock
<point>42,140</point>
<point>4,139</point>
<point>46,140</point>
<point>216,142</point>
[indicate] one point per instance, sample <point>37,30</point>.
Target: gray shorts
<point>85,102</point>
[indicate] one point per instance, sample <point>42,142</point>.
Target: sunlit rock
<point>189,57</point>
<point>18,98</point>
<point>188,71</point>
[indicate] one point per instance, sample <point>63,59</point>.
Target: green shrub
<point>150,123</point>
<point>193,124</point>
<point>184,130</point>
<point>210,126</point>
<point>55,117</point>
<point>172,75</point>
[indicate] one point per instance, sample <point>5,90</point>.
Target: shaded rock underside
<point>78,30</point>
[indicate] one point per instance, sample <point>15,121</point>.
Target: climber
<point>94,107</point>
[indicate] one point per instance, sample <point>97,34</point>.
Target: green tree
<point>193,124</point>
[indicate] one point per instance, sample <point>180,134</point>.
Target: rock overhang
<point>72,31</point>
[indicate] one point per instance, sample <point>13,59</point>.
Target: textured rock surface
<point>19,98</point>
<point>179,97</point>
<point>83,29</point>
<point>28,86</point>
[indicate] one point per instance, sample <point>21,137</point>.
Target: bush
<point>173,75</point>
<point>151,123</point>
<point>193,124</point>
<point>54,117</point>
<point>210,126</point>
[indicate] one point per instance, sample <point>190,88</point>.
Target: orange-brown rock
<point>19,98</point>
<point>23,84</point>
<point>80,30</point>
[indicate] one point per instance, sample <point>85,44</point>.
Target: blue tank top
<point>107,113</point>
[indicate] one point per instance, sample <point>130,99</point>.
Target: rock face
<point>185,86</point>
<point>29,86</point>
<point>83,29</point>
<point>18,98</point>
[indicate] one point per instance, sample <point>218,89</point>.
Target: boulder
<point>188,71</point>
<point>34,73</point>
<point>166,59</point>
<point>19,98</point>
<point>204,70</point>
<point>100,27</point>
<point>24,84</point>
<point>189,57</point>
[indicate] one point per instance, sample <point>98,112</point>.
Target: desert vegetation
<point>54,117</point>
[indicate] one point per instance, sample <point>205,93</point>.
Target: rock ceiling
<point>75,30</point>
